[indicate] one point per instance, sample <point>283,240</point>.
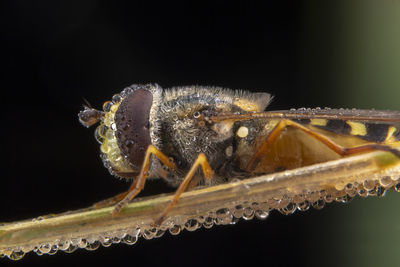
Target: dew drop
<point>369,184</point>
<point>113,126</point>
<point>373,191</point>
<point>83,243</point>
<point>175,230</point>
<point>238,211</point>
<point>75,241</point>
<point>93,246</point>
<point>71,249</point>
<point>107,106</point>
<point>130,239</point>
<point>159,233</point>
<point>380,191</point>
<point>303,206</point>
<point>53,250</point>
<point>149,233</point>
<point>106,241</point>
<point>16,255</point>
<point>260,214</point>
<point>37,251</point>
<point>116,98</point>
<point>397,187</point>
<point>248,213</point>
<point>116,240</point>
<point>63,245</point>
<point>386,181</point>
<point>319,204</point>
<point>45,248</point>
<point>125,126</point>
<point>362,193</point>
<point>208,222</point>
<point>344,199</point>
<point>224,216</point>
<point>289,209</point>
<point>192,225</point>
<point>329,198</point>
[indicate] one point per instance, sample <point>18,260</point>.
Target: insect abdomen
<point>372,132</point>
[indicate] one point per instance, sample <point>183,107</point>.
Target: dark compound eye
<point>132,120</point>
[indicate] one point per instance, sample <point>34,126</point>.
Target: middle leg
<point>207,172</point>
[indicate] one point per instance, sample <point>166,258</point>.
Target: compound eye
<point>132,121</point>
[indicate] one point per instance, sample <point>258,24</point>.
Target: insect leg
<point>115,199</point>
<point>143,175</point>
<point>275,133</point>
<point>207,172</point>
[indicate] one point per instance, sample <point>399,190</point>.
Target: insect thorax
<point>186,128</point>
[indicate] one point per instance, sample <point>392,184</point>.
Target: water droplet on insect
<point>129,143</point>
<point>107,106</point>
<point>125,126</point>
<point>113,126</point>
<point>116,98</point>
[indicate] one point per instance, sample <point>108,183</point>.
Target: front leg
<point>143,175</point>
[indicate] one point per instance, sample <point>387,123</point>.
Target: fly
<point>210,135</point>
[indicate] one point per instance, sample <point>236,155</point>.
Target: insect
<point>209,135</point>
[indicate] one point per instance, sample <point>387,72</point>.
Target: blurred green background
<point>351,51</point>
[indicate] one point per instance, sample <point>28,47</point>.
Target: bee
<point>196,135</point>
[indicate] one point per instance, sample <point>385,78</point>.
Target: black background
<point>54,54</point>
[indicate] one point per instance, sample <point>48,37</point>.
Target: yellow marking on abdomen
<point>357,128</point>
<point>318,122</point>
<point>390,132</point>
